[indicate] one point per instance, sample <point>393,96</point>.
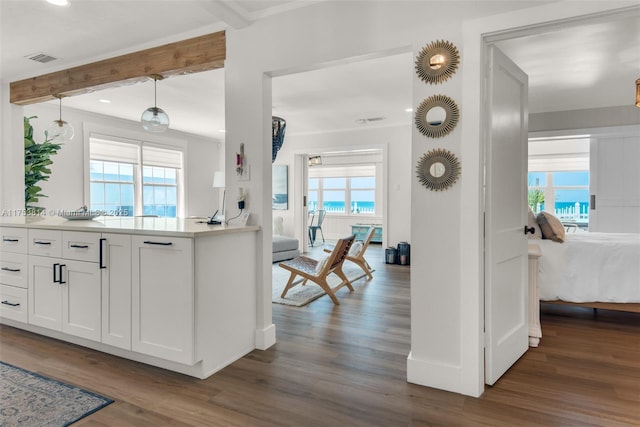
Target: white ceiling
<point>593,64</point>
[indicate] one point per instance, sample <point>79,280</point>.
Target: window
<point>346,190</point>
<point>134,177</point>
<point>558,178</point>
<point>564,193</point>
<point>111,187</point>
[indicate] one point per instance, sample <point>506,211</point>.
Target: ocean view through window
<point>343,190</point>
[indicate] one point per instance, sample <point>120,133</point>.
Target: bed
<point>599,270</point>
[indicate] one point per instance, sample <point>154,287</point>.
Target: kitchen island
<point>171,292</point>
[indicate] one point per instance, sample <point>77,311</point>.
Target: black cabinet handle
<point>12,304</point>
<point>13,270</point>
<point>54,272</point>
<point>4,239</point>
<point>149,242</point>
<point>529,230</point>
<point>37,242</point>
<point>62,282</point>
<point>79,246</point>
<point>101,262</point>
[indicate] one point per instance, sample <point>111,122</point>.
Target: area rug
<point>302,295</point>
<point>29,399</point>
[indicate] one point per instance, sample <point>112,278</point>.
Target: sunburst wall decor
<point>437,62</point>
<point>438,169</point>
<point>439,128</point>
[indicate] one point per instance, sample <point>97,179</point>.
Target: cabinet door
<point>81,299</point>
<point>116,290</point>
<point>45,295</point>
<point>163,297</point>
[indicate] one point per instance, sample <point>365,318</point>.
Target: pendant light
<point>59,130</point>
<point>154,119</point>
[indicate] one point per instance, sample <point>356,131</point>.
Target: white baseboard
<point>434,374</point>
<point>266,337</point>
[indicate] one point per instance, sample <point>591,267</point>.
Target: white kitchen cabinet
<point>13,273</point>
<point>163,297</point>
<point>171,292</point>
<point>115,267</point>
<point>64,295</point>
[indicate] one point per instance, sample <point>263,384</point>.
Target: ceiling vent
<point>42,58</point>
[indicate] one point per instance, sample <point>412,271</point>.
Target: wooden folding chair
<point>358,258</point>
<point>307,268</point>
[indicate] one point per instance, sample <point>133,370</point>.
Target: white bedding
<point>591,267</point>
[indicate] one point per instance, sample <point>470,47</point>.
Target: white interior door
<point>506,298</point>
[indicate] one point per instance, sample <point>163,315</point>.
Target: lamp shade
<point>60,131</point>
<point>154,119</point>
<point>218,179</point>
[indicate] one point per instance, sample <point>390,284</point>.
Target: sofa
<point>284,247</point>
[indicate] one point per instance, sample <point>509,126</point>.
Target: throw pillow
<point>355,249</point>
<point>321,263</point>
<point>531,222</point>
<point>551,227</point>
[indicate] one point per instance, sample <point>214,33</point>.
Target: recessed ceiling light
<point>222,130</point>
<point>59,2</point>
<point>105,101</point>
<point>409,110</point>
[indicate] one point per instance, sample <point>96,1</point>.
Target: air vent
<point>42,58</point>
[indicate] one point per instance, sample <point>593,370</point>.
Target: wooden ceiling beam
<point>188,56</point>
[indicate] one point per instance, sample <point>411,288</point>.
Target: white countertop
<point>176,227</point>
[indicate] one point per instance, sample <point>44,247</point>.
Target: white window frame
<point>139,140</point>
<point>347,172</point>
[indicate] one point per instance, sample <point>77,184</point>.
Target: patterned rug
<point>302,295</point>
<point>29,399</point>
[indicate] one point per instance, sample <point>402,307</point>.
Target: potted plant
<point>37,158</point>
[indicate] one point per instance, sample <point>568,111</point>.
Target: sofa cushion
<point>284,243</point>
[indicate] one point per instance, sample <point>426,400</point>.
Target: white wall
<point>395,142</point>
<point>65,187</point>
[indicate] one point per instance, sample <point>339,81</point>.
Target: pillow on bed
<point>551,227</point>
<point>531,222</point>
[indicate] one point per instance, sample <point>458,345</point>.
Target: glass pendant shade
<point>59,130</point>
<point>154,119</point>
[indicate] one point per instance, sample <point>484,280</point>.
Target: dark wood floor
<point>346,366</point>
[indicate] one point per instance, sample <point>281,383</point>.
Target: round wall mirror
<point>437,116</point>
<point>437,62</point>
<point>438,169</point>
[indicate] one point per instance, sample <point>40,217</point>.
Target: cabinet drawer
<point>45,242</point>
<point>13,240</point>
<point>13,303</point>
<point>14,269</point>
<point>81,246</point>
